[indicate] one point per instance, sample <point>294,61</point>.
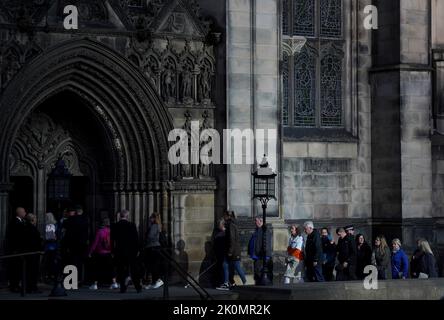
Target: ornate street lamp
<point>264,182</point>
<point>59,182</point>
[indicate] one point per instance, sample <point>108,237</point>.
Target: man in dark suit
<point>346,268</point>
<point>125,248</point>
<point>16,244</point>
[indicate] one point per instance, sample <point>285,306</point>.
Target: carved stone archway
<point>135,120</point>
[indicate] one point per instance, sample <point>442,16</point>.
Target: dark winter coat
<point>76,231</point>
<point>33,239</point>
<point>232,241</point>
<point>363,259</point>
<point>255,247</point>
<point>427,265</point>
<point>15,236</point>
<point>329,251</point>
<point>219,245</point>
<point>125,239</point>
<point>313,248</point>
<point>347,250</point>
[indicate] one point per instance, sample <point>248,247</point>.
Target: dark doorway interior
<point>21,194</point>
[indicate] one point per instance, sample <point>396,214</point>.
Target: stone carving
<point>24,13</point>
<point>89,11</point>
<point>12,56</point>
<point>182,78</point>
<point>205,82</point>
<point>187,86</point>
<point>175,23</point>
<point>204,169</point>
<point>185,171</point>
<point>169,82</point>
<point>10,68</point>
<point>20,168</point>
<point>293,45</point>
<point>151,70</point>
<point>41,137</point>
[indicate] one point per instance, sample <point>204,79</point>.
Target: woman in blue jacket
<point>400,262</point>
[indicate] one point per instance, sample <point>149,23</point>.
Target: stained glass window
<point>313,81</point>
<point>303,17</point>
<point>285,17</point>
<point>331,91</point>
<point>331,18</point>
<point>286,84</point>
<point>304,90</point>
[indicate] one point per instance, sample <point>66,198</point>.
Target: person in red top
<point>100,252</point>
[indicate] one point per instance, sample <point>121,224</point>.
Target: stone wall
<point>328,179</point>
<point>252,87</point>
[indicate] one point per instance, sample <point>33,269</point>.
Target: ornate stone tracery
<point>136,66</point>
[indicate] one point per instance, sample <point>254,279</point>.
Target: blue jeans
<point>237,267</point>
<point>314,274</point>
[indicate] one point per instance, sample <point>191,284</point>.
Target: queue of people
<point>114,257</point>
<point>314,256</point>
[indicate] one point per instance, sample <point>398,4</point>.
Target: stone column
<point>165,207</point>
<point>252,88</point>
<point>40,198</point>
<point>178,216</point>
<point>4,211</point>
<point>401,90</point>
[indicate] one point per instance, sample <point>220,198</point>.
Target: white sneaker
<point>115,285</point>
<point>158,284</point>
<point>93,287</point>
<point>224,287</point>
<point>149,287</point>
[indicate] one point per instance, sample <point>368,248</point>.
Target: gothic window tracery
<point>313,78</point>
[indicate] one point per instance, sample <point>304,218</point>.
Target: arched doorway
<point>85,104</point>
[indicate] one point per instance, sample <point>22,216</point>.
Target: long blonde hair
<point>424,246</point>
<point>382,249</point>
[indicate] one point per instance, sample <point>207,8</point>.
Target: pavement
<point>83,293</point>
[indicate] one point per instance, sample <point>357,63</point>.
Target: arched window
<point>313,78</point>
<point>304,89</point>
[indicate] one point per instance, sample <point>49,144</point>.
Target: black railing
<point>204,295</point>
<point>22,256</point>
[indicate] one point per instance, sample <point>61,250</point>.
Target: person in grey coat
<point>381,258</point>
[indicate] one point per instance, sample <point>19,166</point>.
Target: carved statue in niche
<point>204,169</point>
<point>205,84</point>
<point>186,168</point>
<point>11,67</point>
<point>151,71</point>
<point>187,85</point>
<point>169,83</point>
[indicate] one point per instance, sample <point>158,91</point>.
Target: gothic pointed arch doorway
<point>82,103</point>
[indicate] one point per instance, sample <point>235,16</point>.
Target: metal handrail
<point>22,256</point>
<point>204,295</point>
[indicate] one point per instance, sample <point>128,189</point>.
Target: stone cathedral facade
<point>359,113</point>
